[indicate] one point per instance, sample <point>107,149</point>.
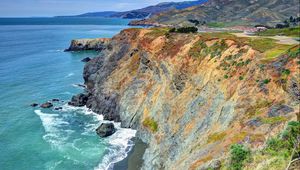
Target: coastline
<point>134,159</point>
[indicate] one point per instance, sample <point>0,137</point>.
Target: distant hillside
<point>98,14</point>
<point>243,12</point>
<point>144,12</point>
<point>155,9</point>
<point>93,14</point>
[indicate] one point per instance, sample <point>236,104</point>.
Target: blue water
<point>34,68</point>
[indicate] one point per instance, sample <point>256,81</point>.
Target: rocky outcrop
<point>190,96</point>
<point>106,129</point>
<point>88,44</point>
<point>79,100</point>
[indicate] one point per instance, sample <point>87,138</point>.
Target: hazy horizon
<point>50,8</point>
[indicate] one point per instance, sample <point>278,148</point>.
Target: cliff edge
<point>192,96</point>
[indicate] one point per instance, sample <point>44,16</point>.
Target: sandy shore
<point>134,159</point>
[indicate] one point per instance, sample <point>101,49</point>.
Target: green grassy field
<point>291,32</point>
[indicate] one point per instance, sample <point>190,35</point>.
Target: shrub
<point>286,72</point>
<point>151,124</point>
<point>172,30</point>
<point>267,81</point>
<point>185,30</point>
<point>241,78</point>
<point>226,76</point>
<point>238,155</point>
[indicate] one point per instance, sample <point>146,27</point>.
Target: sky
<point>31,8</point>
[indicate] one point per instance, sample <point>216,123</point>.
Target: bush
<point>267,81</point>
<point>238,155</point>
<point>184,30</point>
<point>286,72</point>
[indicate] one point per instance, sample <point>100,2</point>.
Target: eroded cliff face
<point>190,96</point>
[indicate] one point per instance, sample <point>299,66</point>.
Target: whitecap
<point>69,75</point>
<point>52,124</point>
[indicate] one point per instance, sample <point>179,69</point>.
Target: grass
<point>278,50</point>
<point>150,124</point>
<point>216,137</point>
<point>156,32</point>
<point>292,32</point>
<point>216,24</point>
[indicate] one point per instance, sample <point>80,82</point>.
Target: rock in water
<point>55,100</point>
<point>34,104</point>
<point>106,129</point>
<point>46,105</point>
<point>87,59</point>
<point>58,108</point>
<point>79,100</point>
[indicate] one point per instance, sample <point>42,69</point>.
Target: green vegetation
<point>284,144</point>
<point>238,156</point>
<point>273,120</point>
<point>293,32</point>
<point>279,150</point>
<point>184,30</point>
<point>267,81</point>
<point>262,44</point>
<point>241,78</point>
<point>200,49</point>
<point>151,124</point>
<point>216,24</point>
<point>156,32</point>
<point>286,72</point>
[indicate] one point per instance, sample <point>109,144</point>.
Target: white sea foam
<point>52,124</point>
<point>120,145</point>
<point>58,131</point>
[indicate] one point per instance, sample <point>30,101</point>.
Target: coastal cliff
<point>88,44</point>
<point>191,96</point>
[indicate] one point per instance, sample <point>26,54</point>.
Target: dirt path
<point>280,39</point>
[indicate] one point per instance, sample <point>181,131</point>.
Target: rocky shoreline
<point>187,104</point>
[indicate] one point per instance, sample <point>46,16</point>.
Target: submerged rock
<point>34,104</point>
<point>46,105</point>
<point>55,100</point>
<point>79,100</point>
<point>106,129</point>
<point>57,108</point>
<point>87,59</point>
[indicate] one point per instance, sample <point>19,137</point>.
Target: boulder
<point>34,104</point>
<point>46,105</point>
<point>79,100</point>
<point>87,59</point>
<point>55,100</point>
<point>106,129</point>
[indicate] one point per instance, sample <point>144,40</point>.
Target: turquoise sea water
<point>34,68</point>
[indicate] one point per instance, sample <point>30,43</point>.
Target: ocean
<point>34,69</point>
